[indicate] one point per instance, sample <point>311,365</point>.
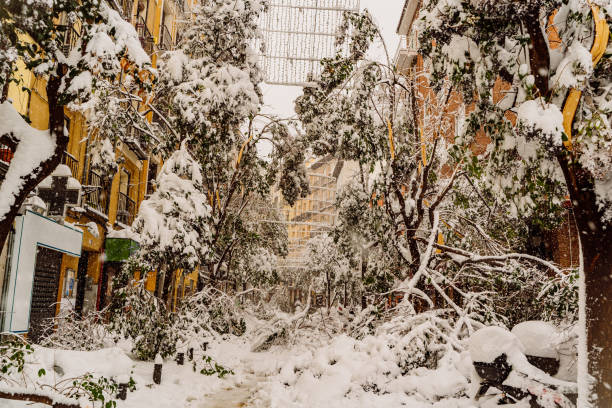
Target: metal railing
<point>95,195</point>
<point>145,36</point>
<point>70,36</point>
<point>72,162</point>
<point>407,48</point>
<point>165,42</point>
<point>126,209</point>
<point>126,9</point>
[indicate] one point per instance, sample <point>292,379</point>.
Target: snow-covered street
<point>305,203</point>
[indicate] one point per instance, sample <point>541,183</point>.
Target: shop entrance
<point>44,292</point>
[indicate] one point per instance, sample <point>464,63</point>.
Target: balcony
<point>126,209</point>
<point>70,37</point>
<point>165,42</point>
<point>126,9</point>
<point>72,162</point>
<point>95,195</point>
<point>406,52</point>
<point>145,36</point>
<point>132,141</point>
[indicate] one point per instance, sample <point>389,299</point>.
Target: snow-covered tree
<point>209,92</point>
<point>402,210</point>
<point>550,126</point>
<point>329,270</point>
<point>173,224</point>
<point>260,239</point>
<point>33,32</point>
<point>117,111</point>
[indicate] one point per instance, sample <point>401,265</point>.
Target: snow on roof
<point>36,201</point>
<point>62,171</point>
<point>46,183</point>
<point>125,233</point>
<point>488,343</point>
<point>539,338</point>
<point>73,184</point>
<point>34,146</point>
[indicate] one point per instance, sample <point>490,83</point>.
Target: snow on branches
<point>34,32</point>
<point>173,222</point>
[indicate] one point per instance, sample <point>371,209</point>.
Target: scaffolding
<point>311,215</point>
<point>297,35</point>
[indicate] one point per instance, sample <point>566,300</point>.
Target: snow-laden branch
<point>425,257</point>
<point>33,148</point>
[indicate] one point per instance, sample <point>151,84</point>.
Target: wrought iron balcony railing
<point>165,42</point>
<point>145,36</point>
<point>95,194</point>
<point>72,162</point>
<point>70,36</point>
<point>126,9</point>
<point>126,209</point>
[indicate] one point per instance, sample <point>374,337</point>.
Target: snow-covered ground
<point>317,368</point>
<point>315,374</point>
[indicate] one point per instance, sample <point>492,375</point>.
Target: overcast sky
<point>386,13</point>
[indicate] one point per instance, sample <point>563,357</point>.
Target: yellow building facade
<point>105,206</point>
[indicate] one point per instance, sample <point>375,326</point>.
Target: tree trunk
<point>81,283</point>
<point>56,128</point>
<point>539,57</point>
<point>160,282</point>
<point>597,258</point>
<point>596,245</point>
<point>168,293</point>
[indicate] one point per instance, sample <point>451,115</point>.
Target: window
<point>124,182</point>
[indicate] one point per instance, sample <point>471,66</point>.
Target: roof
<point>408,13</point>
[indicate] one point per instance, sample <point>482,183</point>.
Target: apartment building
<point>314,214</point>
<point>70,238</point>
<point>560,245</point>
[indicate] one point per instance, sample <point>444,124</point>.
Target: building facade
<point>69,239</point>
<point>560,245</point>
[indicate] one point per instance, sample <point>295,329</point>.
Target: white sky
<point>386,13</point>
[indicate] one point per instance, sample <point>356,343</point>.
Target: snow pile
<point>364,373</point>
<point>462,50</point>
<point>34,147</point>
<point>108,362</point>
<point>35,201</point>
<point>125,233</point>
<point>538,338</point>
<point>538,116</point>
<point>488,343</point>
<point>575,68</point>
<point>62,171</point>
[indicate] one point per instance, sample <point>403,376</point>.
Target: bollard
<point>205,345</point>
<point>180,358</point>
<point>190,353</point>
<point>157,369</point>
<point>122,392</point>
